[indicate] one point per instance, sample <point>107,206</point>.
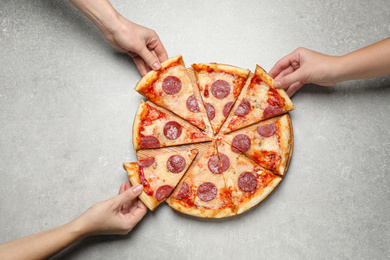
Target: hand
<point>117,215</point>
<point>303,66</point>
<point>141,43</point>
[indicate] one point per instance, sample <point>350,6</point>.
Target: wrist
<point>337,69</point>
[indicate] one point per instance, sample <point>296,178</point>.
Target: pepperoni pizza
<point>202,192</point>
<point>244,148</point>
<point>247,182</point>
<point>258,101</point>
<point>219,86</point>
<point>269,143</point>
<point>159,175</point>
<point>156,127</point>
<point>171,88</point>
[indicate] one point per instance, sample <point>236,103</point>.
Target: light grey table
<point>67,104</point>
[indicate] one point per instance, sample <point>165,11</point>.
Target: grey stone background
<point>67,104</point>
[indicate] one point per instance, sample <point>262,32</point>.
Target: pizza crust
<point>259,197</point>
<point>152,75</point>
<point>201,213</point>
<point>132,172</point>
<point>136,124</point>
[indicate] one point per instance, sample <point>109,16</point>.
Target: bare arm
<point>306,66</point>
<point>114,216</point>
<point>369,62</point>
<point>141,43</point>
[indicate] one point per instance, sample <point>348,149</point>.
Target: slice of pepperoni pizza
<point>159,174</point>
<point>269,143</point>
<point>202,191</point>
<point>247,182</point>
<point>258,101</point>
<point>156,127</point>
<point>171,88</point>
<point>219,86</point>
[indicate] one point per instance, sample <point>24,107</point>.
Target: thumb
<point>150,59</point>
<point>289,79</point>
<point>128,195</point>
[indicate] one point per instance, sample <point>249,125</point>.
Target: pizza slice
<point>156,127</point>
<point>258,101</point>
<point>269,143</point>
<point>247,182</point>
<point>159,174</point>
<point>219,86</point>
<point>171,88</point>
<point>202,191</point>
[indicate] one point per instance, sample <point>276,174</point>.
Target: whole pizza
<point>212,140</point>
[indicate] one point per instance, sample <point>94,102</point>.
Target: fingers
<point>160,51</point>
<point>150,59</point>
<point>137,212</point>
<point>127,196</point>
<point>294,88</point>
<point>282,64</point>
<point>289,79</point>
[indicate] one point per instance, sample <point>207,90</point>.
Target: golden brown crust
<point>290,144</point>
<point>152,75</point>
<point>201,213</point>
<point>136,124</point>
<point>221,68</point>
<point>261,195</point>
<point>270,81</point>
<point>133,174</point>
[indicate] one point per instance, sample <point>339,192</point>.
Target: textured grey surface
<point>67,104</point>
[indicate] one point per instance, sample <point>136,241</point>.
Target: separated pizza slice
<point>171,88</point>
<point>269,143</point>
<point>247,182</point>
<point>156,127</point>
<point>202,191</point>
<point>159,174</point>
<point>219,86</point>
<point>258,101</point>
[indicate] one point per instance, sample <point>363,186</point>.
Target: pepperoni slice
<point>176,163</point>
<point>146,162</point>
<point>184,192</point>
<point>171,85</point>
<point>210,111</point>
<point>241,143</point>
<point>172,130</point>
<point>214,165</point>
<point>163,192</point>
<point>244,108</point>
<point>220,89</point>
<point>271,111</point>
<point>227,108</point>
<point>207,191</point>
<point>149,142</point>
<point>192,104</point>
<point>247,181</point>
<point>225,162</point>
<point>267,130</point>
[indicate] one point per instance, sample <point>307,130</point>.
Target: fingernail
<point>138,188</point>
<point>277,84</point>
<point>156,65</point>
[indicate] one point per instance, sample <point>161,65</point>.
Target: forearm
<point>368,62</point>
<point>42,245</point>
<point>100,12</point>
